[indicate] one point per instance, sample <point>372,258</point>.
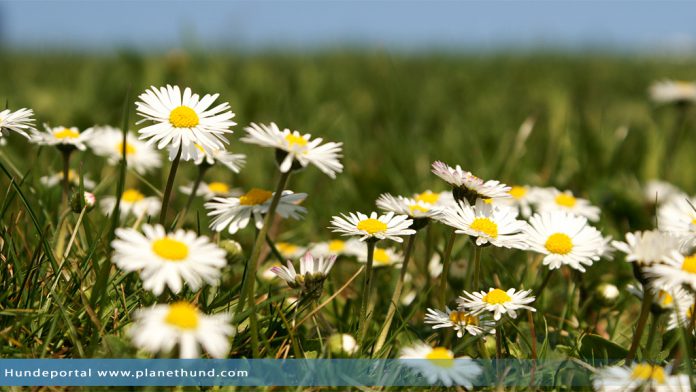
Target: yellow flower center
<point>183,117</point>
<point>372,226</point>
<point>336,245</point>
<point>182,315</point>
<point>441,357</point>
<point>66,133</point>
<point>485,226</point>
<point>219,188</point>
<point>417,208</point>
<point>496,296</point>
<point>664,298</point>
<point>381,256</point>
<point>566,200</point>
<point>170,249</point>
<point>428,197</point>
<point>255,197</point>
<point>130,149</point>
<point>647,372</point>
<point>286,248</point>
<point>693,221</point>
<point>295,140</point>
<point>689,264</point>
<point>132,196</point>
<point>559,244</point>
<point>518,192</point>
<point>463,318</point>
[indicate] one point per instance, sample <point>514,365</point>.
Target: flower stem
<point>477,267</point>
<point>446,261</point>
<point>66,177</point>
<point>544,282</point>
<point>396,296</point>
<point>170,185</point>
<point>202,168</point>
<point>651,335</point>
<point>367,290</point>
<point>640,326</point>
<point>249,279</point>
<point>499,340</point>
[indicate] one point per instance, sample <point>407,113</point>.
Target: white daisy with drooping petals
<point>168,259</point>
<point>438,365</point>
<point>461,321</point>
<point>646,248</point>
<point>551,199</point>
<point>20,121</point>
<point>459,178</point>
<point>209,190</point>
<point>639,377</point>
<point>184,120</point>
<point>673,91</point>
<point>565,239</point>
<point>407,206</point>
<point>108,142</point>
<point>62,137</point>
<point>497,301</point>
<point>676,270</point>
<point>161,328</point>
<point>377,227</point>
<point>300,148</point>
<point>73,178</point>
<point>133,203</point>
<point>234,213</point>
<point>489,224</point>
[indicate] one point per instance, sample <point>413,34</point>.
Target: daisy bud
<point>88,201</point>
<point>607,294</point>
<point>342,344</point>
<point>232,248</point>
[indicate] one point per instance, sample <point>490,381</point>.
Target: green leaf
<point>596,348</point>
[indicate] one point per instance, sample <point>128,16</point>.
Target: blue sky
<point>105,25</point>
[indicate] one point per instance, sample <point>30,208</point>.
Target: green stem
<point>366,291</point>
<point>543,284</point>
<point>66,177</point>
<point>499,340</point>
<point>170,185</point>
<point>477,267</point>
<point>202,168</point>
<point>446,261</point>
<point>651,336</point>
<point>396,296</point>
<point>640,326</point>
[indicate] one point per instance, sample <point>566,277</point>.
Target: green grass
<point>395,114</point>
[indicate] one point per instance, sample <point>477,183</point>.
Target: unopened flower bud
<point>88,201</point>
<point>342,344</point>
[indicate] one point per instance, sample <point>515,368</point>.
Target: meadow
<point>579,122</point>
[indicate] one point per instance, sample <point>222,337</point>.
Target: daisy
<point>63,137</point>
<point>132,203</point>
<point>673,91</point>
<point>646,248</point>
<point>640,376</point>
<point>293,146</point>
<point>73,178</point>
<point>522,198</point>
<point>351,247</point>
<point>382,257</point>
<point>675,271</point>
<point>658,192</point>
<point>234,213</point>
<point>209,190</point>
<point>459,320</point>
<point>436,199</point>
<point>438,365</point>
<point>497,225</point>
<point>290,251</point>
<point>375,227</point>
<point>405,206</point>
<point>565,239</point>
<point>468,185</point>
<point>678,216</point>
<point>234,162</point>
<point>20,121</point>
<point>497,301</point>
<point>266,273</point>
<point>108,142</point>
<point>183,120</point>
<point>162,327</point>
<point>551,199</point>
<point>682,312</point>
<point>165,259</point>
<point>313,272</point>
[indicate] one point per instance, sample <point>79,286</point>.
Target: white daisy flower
<point>638,377</point>
<point>209,190</point>
<point>435,266</point>
<point>313,272</point>
<point>265,272</point>
<point>133,203</point>
<point>296,147</point>
<point>160,328</point>
<point>20,121</point>
<point>375,227</point>
<point>73,178</point>
<point>108,142</point>
<point>565,239</point>
<point>673,91</point>
<point>646,248</point>
<point>406,206</point>
<point>497,225</point>
<point>234,213</point>
<point>678,216</point>
<point>234,162</point>
<point>522,198</point>
<point>184,120</point>
<point>290,251</point>
<point>658,192</point>
<point>436,199</point>
<point>497,301</point>
<point>62,137</point>
<point>682,311</point>
<point>675,270</point>
<point>350,247</point>
<point>459,320</point>
<point>551,199</point>
<point>165,259</point>
<point>471,186</point>
<point>382,257</point>
<point>438,365</point>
